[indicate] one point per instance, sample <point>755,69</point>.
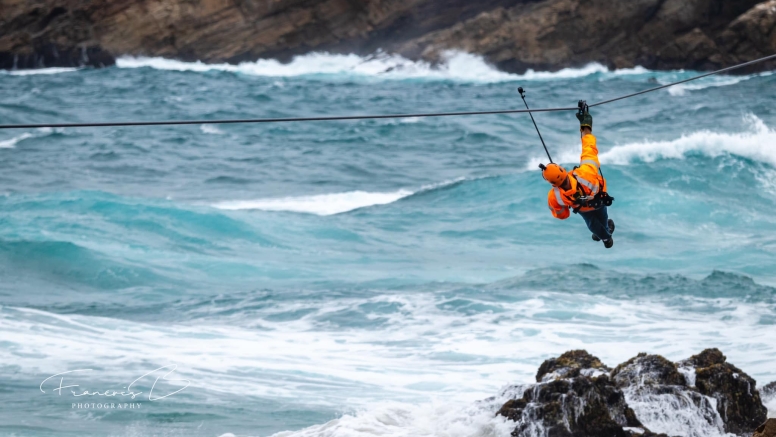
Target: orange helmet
<point>554,174</point>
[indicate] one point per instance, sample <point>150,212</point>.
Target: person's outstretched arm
<point>589,152</point>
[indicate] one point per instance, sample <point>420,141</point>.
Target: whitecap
<point>708,82</point>
<point>11,143</point>
<point>455,66</point>
<point>753,143</point>
<point>321,204</point>
<point>565,73</point>
<point>36,71</point>
<point>210,129</point>
<point>400,420</point>
<point>327,204</point>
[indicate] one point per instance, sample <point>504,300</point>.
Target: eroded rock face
<point>512,34</point>
<point>659,34</point>
<point>738,400</point>
<point>219,31</point>
<point>576,395</point>
<point>580,406</point>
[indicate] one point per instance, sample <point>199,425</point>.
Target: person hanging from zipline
<point>583,190</point>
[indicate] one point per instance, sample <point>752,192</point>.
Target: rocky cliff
<point>515,35</point>
<point>576,395</point>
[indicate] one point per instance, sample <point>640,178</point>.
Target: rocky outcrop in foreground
<point>767,429</point>
<point>514,35</point>
<point>576,395</point>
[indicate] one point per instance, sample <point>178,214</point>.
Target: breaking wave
<point>457,66</point>
<point>36,71</point>
<point>327,204</point>
<point>752,143</point>
<point>321,204</point>
<point>399,420</point>
<point>43,132</point>
<point>709,82</point>
<point>11,143</point>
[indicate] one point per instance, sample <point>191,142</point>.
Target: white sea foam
<point>11,143</point>
<point>430,347</point>
<point>210,129</point>
<point>321,204</point>
<point>36,71</point>
<point>689,374</point>
<point>326,204</point>
<point>566,73</point>
<point>755,142</point>
<point>682,413</point>
<point>404,420</point>
<point>457,66</point>
<point>632,71</point>
<point>709,82</point>
<point>769,400</point>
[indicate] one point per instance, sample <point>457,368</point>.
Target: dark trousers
<point>598,222</point>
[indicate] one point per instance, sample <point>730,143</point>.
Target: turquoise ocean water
<point>361,278</point>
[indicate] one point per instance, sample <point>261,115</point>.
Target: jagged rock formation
<point>661,34</point>
<point>32,31</point>
<point>738,403</point>
<point>512,34</point>
<point>576,395</point>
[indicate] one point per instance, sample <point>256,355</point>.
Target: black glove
<point>584,117</point>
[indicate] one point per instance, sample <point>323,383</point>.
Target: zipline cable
<point>273,120</point>
<point>745,64</point>
<point>522,95</point>
<point>365,117</point>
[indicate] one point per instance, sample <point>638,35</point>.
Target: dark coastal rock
<point>570,365</point>
<point>753,34</point>
<point>658,34</point>
<point>218,31</point>
<point>578,407</point>
<point>647,370</point>
<point>658,390</point>
<point>738,400</point>
<point>767,429</point>
<point>514,35</point>
<point>576,395</point>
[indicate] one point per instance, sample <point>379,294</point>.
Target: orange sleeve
<point>558,211</point>
<point>589,152</point>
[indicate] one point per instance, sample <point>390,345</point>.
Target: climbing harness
<point>365,117</point>
<point>598,196</point>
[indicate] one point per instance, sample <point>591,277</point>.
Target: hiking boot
<point>609,243</point>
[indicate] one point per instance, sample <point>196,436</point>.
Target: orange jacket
<point>586,181</point>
